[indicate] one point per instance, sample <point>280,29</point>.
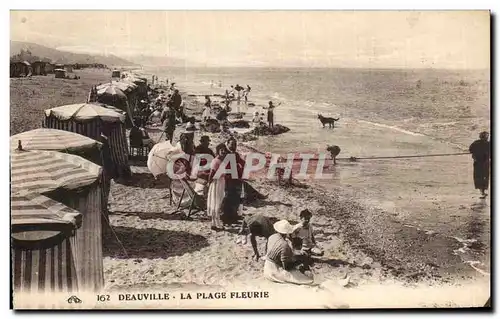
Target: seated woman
<point>146,140</point>
<point>139,137</point>
<point>281,265</point>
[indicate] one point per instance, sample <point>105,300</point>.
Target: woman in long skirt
<point>217,189</point>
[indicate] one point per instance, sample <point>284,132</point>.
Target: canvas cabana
<point>43,244</point>
<point>74,182</point>
<point>91,120</point>
<point>65,142</point>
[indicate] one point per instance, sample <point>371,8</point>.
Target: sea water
<point>381,113</point>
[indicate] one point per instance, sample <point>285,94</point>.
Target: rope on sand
<point>397,157</point>
<point>114,233</point>
<point>353,159</point>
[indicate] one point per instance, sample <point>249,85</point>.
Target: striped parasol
<point>52,140</point>
<point>111,91</point>
<point>41,171</point>
<point>124,86</point>
<point>86,111</point>
<point>35,212</point>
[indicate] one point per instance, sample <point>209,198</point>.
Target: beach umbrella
<point>41,171</point>
<point>112,95</point>
<point>86,111</point>
<point>111,91</point>
<point>52,140</point>
<point>160,155</point>
<point>123,86</point>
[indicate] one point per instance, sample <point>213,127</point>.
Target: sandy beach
<point>151,249</point>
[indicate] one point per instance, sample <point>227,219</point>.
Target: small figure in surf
<point>246,92</point>
<point>270,113</point>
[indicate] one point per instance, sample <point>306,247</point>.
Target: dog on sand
<point>327,120</point>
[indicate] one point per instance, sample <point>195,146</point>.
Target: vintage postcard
<point>250,159</point>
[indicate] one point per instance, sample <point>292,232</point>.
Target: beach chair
<point>196,202</point>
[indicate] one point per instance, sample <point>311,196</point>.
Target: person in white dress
<point>216,189</point>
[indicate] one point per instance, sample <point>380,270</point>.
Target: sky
<point>376,39</point>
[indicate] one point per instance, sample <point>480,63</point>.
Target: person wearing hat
<point>281,265</point>
<point>480,150</point>
<point>204,148</point>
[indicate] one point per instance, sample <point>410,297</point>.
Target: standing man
<point>168,118</point>
<point>480,150</point>
<point>176,99</point>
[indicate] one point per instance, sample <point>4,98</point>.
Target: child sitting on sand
<point>303,232</point>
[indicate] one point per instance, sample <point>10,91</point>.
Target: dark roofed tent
<point>91,120</point>
<point>74,182</point>
<point>43,244</point>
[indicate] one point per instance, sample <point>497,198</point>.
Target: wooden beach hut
<point>49,68</point>
<point>43,244</point>
<point>20,69</point>
<point>74,182</point>
<point>60,73</point>
<point>91,120</point>
<point>116,74</point>
<point>38,68</point>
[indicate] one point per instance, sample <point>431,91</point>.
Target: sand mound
<point>265,130</point>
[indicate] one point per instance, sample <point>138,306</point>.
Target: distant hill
<point>58,56</point>
<point>147,60</point>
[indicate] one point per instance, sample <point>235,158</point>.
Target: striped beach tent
<point>74,182</point>
<point>91,120</point>
<point>44,257</point>
<point>66,142</point>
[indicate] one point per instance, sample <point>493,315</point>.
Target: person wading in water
<point>480,150</point>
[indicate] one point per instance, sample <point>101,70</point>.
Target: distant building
<point>20,69</point>
<point>39,68</point>
<point>60,73</point>
<point>49,68</point>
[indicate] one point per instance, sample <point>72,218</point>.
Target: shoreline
<point>399,269</point>
<point>163,250</point>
